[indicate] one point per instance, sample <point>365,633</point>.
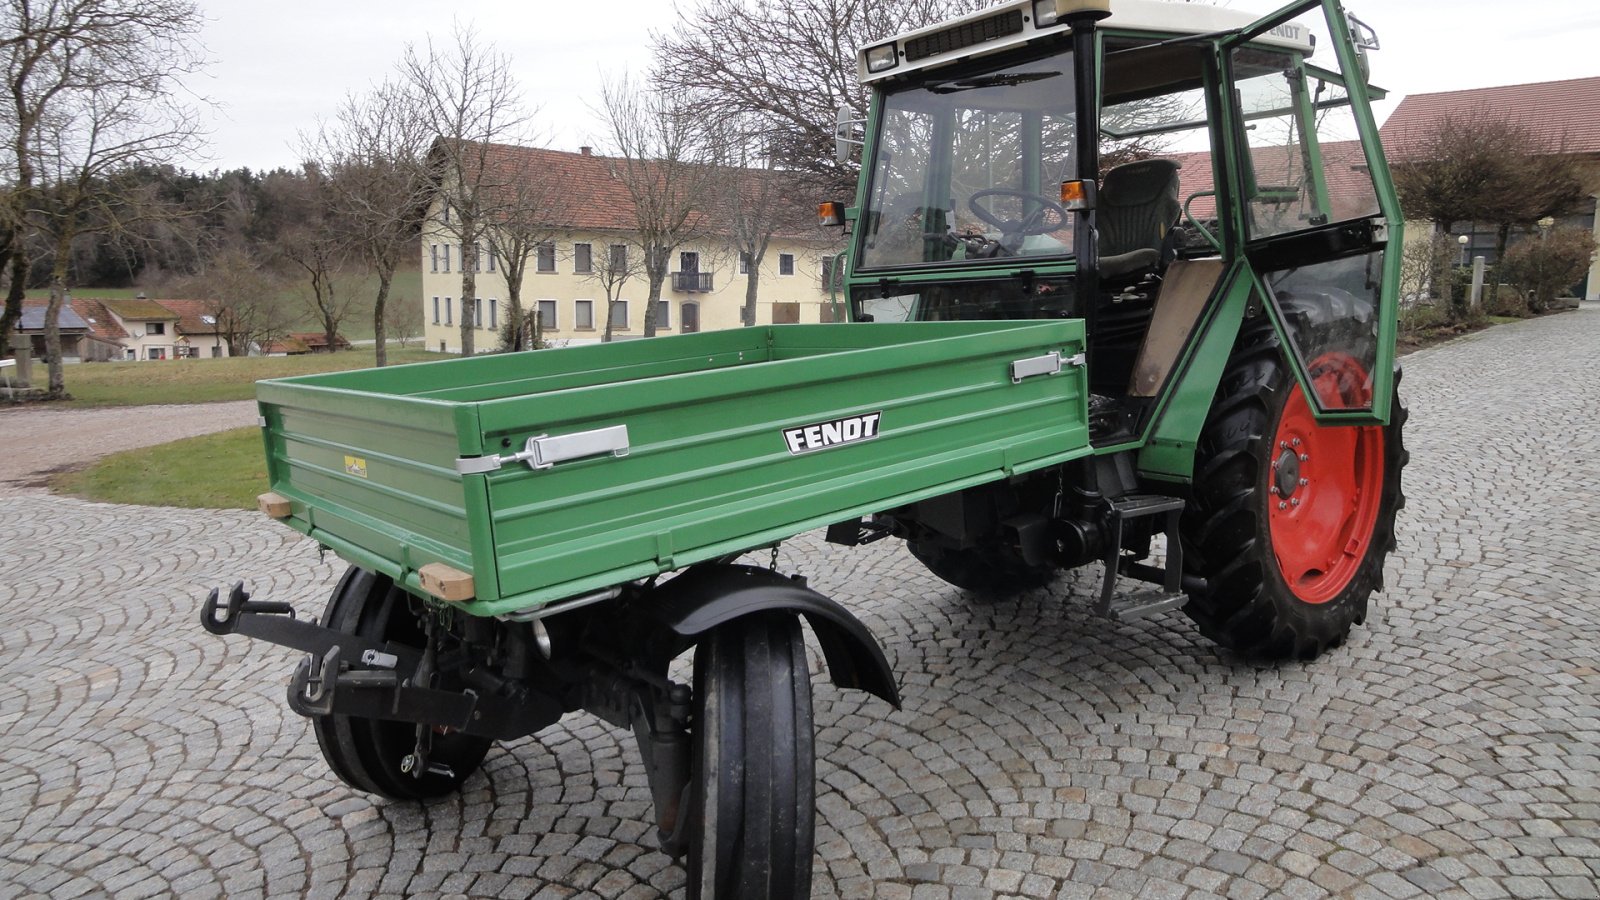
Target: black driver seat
<point>1138,204</point>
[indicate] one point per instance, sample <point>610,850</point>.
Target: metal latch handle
<point>543,451</point>
<point>1048,364</point>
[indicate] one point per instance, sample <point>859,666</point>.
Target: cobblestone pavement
<point>1451,749</point>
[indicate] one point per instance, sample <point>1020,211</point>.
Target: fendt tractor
<point>1120,288</point>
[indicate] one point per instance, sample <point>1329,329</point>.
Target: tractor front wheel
<point>753,777</point>
<point>1291,520</point>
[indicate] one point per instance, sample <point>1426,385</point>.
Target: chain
<point>773,566</point>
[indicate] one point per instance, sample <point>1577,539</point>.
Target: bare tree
<point>665,162</point>
<point>1485,167</point>
<point>371,154</point>
<point>404,320</point>
<point>242,296</point>
<point>117,61</point>
<point>723,52</point>
<point>317,246</point>
<point>466,96</point>
<point>527,215</point>
<point>620,267</point>
<point>79,153</point>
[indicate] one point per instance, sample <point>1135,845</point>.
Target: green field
<point>209,380</point>
<point>214,471</point>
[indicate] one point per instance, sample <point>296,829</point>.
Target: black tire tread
<point>1245,605</point>
<point>751,677</point>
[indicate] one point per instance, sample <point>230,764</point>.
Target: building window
<point>547,314</point>
<point>156,353</point>
<point>446,249</point>
<point>691,317</point>
<point>155,328</point>
<point>827,272</point>
<point>832,312</point>
<point>619,315</point>
<point>785,263</point>
<point>744,263</point>
<point>447,311</point>
<point>619,258</point>
<point>444,212</point>
<point>547,257</point>
<point>785,313</point>
<point>663,314</point>
<point>433,257</point>
<point>494,306</point>
<point>436,310</point>
<point>582,259</point>
<point>477,312</point>
<point>216,351</point>
<point>494,257</point>
<point>583,315</point>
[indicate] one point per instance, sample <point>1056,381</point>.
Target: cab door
<point>1316,213</point>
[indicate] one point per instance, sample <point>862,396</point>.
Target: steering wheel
<point>1048,217</point>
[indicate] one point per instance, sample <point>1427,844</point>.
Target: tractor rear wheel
<point>991,569</point>
<point>1291,520</point>
<point>753,774</point>
<point>366,754</point>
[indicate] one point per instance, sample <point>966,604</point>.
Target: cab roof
<point>1010,25</point>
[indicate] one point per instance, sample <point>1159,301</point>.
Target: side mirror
<point>844,134</point>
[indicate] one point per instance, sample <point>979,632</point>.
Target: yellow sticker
<point>355,465</point>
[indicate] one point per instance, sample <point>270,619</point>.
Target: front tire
<point>1291,520</point>
<point>753,776</point>
<point>366,753</point>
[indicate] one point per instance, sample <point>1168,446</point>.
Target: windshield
<point>970,167</point>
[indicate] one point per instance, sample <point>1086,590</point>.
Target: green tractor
<point>1215,206</point>
<point>1117,279</point>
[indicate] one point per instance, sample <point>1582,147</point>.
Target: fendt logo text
<point>821,436</point>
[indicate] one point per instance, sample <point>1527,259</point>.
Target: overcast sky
<point>277,66</point>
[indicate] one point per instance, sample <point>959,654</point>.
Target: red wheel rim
<point>1325,484</point>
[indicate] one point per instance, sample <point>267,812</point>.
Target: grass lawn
<point>208,380</point>
<point>214,471</point>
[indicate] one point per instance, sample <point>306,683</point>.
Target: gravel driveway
<point>36,439</point>
<point>1450,749</point>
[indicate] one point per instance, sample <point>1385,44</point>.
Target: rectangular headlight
<point>882,58</point>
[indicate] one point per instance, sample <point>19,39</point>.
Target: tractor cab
<point>1134,164</point>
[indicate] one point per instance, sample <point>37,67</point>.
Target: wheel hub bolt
<point>1274,488</point>
<point>1305,457</point>
<point>1295,501</point>
<point>1296,442</point>
<point>1304,482</point>
<point>1283,505</point>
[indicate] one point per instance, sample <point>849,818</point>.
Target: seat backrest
<point>1138,203</point>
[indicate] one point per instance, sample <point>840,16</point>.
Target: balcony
<point>691,282</point>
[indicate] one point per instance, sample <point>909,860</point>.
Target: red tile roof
<point>1563,113</point>
<point>592,196</point>
<point>287,345</point>
<point>315,339</point>
<point>101,323</point>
